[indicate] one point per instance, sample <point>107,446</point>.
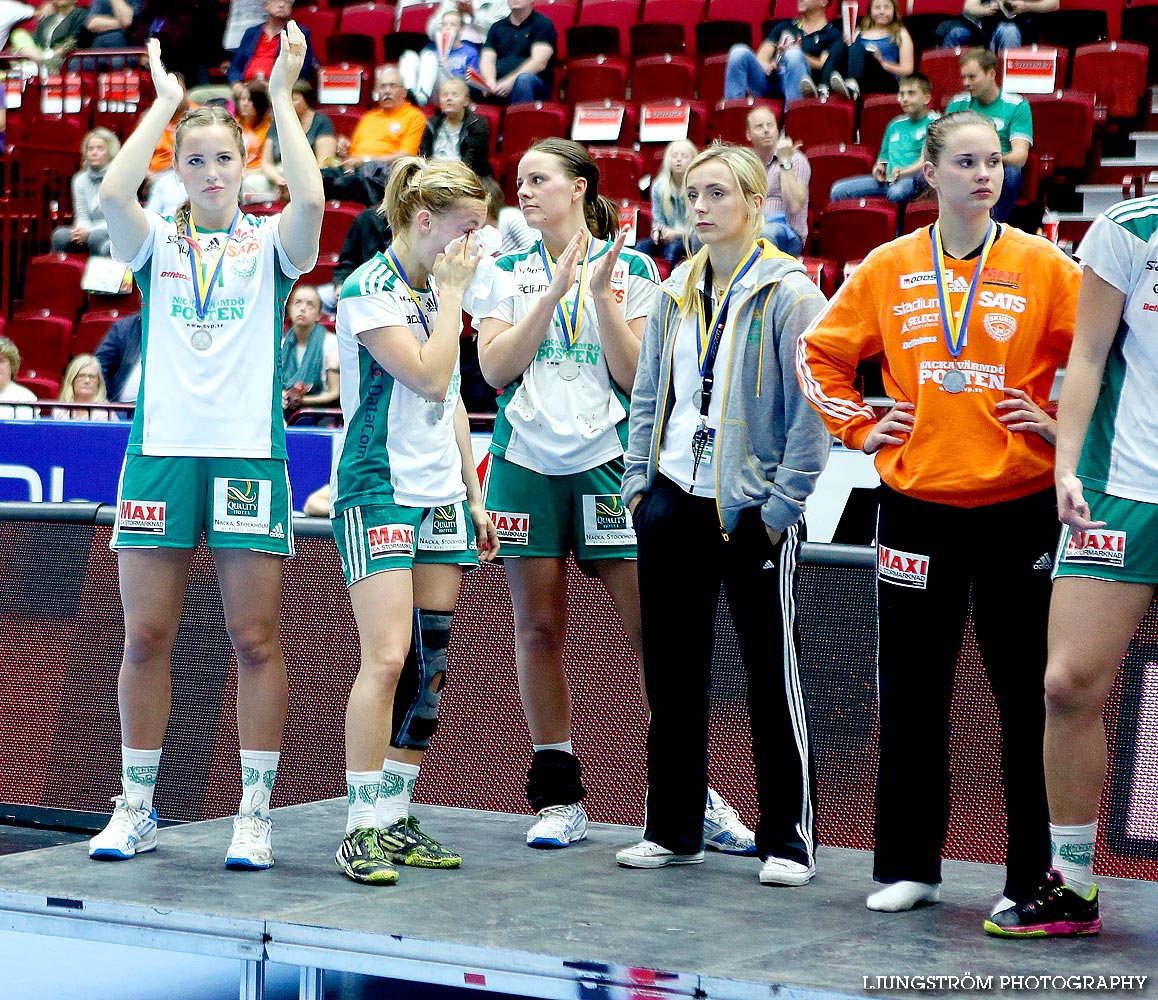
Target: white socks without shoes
<point>902,896</point>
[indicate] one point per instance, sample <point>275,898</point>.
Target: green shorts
<point>166,501</point>
<point>551,516</point>
<point>1125,550</point>
<point>378,537</point>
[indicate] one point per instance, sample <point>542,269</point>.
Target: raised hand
<point>566,264</point>
<point>601,277</point>
<point>291,57</point>
<point>167,86</point>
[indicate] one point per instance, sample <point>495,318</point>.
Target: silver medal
<point>435,412</point>
<point>568,370</point>
<point>201,340</point>
<point>954,381</point>
<point>698,398</point>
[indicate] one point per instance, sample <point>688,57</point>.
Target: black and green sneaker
<point>361,857</point>
<point>1056,911</point>
<point>405,844</point>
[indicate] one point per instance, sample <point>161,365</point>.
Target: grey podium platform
<point>553,924</point>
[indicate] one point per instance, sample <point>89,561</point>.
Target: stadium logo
<point>445,521</point>
<point>142,517</point>
<point>1000,327</point>
<point>391,540</point>
<point>512,528</point>
<point>610,513</point>
<point>906,569</point>
<point>241,498</point>
<point>1105,547</point>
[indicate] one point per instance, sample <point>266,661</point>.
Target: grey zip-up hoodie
<point>772,446</point>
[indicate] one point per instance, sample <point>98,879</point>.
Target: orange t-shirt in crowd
<point>1019,333</point>
<point>163,154</point>
<point>384,133</point>
<point>254,143</point>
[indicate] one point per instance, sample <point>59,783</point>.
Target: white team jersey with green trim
<point>1119,455</point>
<point>396,446</point>
<point>223,400</point>
<point>548,423</point>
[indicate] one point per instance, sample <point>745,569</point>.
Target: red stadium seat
<point>746,12</point>
<point>920,214</point>
<point>943,68</point>
<point>833,161</point>
<point>395,44</point>
<point>91,330</point>
<point>851,229</point>
<point>44,341</point>
<point>813,120</point>
<point>345,119</point>
<point>823,273</point>
<point>876,111</point>
<point>596,78</point>
<point>44,386</point>
<point>687,13</point>
<point>1081,21</point>
<point>373,19</point>
<point>583,41</point>
<point>712,69</point>
<point>617,14</point>
<point>52,281</point>
<point>717,37</point>
<point>415,16</point>
<point>923,18</point>
<point>730,120</point>
<point>1115,73</point>
<point>524,124</point>
<point>562,14</point>
<point>493,113</point>
<point>323,272</point>
<point>654,38</point>
<point>321,22</point>
<point>662,78</point>
<point>336,222</point>
<point>359,50</point>
<point>619,172</point>
<point>1063,129</point>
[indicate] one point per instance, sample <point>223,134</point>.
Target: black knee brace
<point>555,779</point>
<point>420,685</point>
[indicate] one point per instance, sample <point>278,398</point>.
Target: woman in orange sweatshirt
<point>972,318</point>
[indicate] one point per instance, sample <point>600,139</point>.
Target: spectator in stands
<point>1010,114</point>
<point>110,21</point>
<point>880,54</point>
<point>88,231</point>
<point>669,206</point>
<point>204,419</point>
<point>319,130</point>
<point>793,52</point>
<point>961,455</point>
<point>732,491</point>
<point>456,132</point>
<point>449,56</point>
<point>788,170</point>
<point>260,45</point>
<point>251,104</point>
<point>368,234</point>
<point>83,383</point>
<point>119,354</point>
<point>995,24</point>
<point>515,235</point>
<point>518,59</point>
<point>385,133</point>
<point>309,354</point>
<point>12,391</point>
<point>477,17</point>
<point>897,174</point>
<point>56,33</point>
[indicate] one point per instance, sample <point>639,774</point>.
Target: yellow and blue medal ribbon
<point>955,326</point>
<point>570,324</point>
<point>705,333</point>
<point>202,289</point>
<point>396,266</point>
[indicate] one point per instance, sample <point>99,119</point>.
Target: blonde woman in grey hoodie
<point>723,451</point>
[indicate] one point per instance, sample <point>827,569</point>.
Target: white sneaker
<point>129,832</point>
<point>808,88</point>
<point>724,830</point>
<point>784,871</point>
<point>252,844</point>
<point>558,826</point>
<point>648,854</point>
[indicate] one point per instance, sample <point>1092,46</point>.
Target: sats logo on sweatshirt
<point>905,569</point>
<point>1105,548</point>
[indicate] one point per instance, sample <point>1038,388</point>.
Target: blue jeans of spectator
<point>528,87</point>
<point>673,251</point>
<point>1010,189</point>
<point>867,186</point>
<point>1006,35</point>
<point>783,236</point>
<point>744,75</point>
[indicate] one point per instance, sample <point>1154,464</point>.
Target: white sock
<point>565,746</point>
<point>258,771</point>
<point>1073,854</point>
<point>1003,903</point>
<point>398,781</point>
<point>139,776</point>
<point>902,896</point>
<point>362,793</point>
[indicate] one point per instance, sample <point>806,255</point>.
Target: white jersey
<point>396,446</point>
<point>212,386</point>
<point>1118,455</point>
<point>564,414</point>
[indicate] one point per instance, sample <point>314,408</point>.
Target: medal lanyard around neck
<point>202,290</point>
<point>707,346</point>
<point>955,326</point>
<point>396,267</point>
<point>570,324</point>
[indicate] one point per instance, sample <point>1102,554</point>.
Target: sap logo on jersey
<point>390,540</point>
<point>1106,547</point>
<point>1002,300</point>
<point>512,528</point>
<point>906,569</point>
<point>142,517</point>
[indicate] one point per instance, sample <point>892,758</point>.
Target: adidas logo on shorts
<point>277,531</point>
